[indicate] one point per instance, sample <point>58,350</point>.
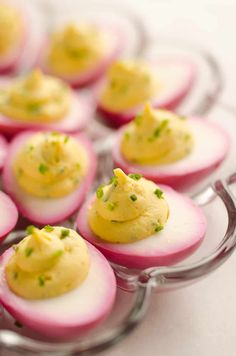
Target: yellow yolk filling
<point>156,137</point>
<point>11,28</point>
<point>36,98</point>
<point>129,84</point>
<point>48,263</point>
<point>130,208</point>
<point>76,48</point>
<point>50,165</point>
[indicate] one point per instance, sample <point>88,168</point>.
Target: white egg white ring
<point>8,214</point>
<point>177,76</point>
<point>182,234</point>
<point>46,211</point>
<point>70,314</point>
<point>211,145</point>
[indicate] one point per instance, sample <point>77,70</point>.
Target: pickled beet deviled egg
<point>38,101</point>
<point>130,83</point>
<point>8,214</point>
<point>12,36</point>
<point>138,224</point>
<point>55,283</point>
<point>170,149</point>
<point>80,53</point>
<point>48,174</point>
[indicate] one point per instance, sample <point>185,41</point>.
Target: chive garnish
<point>48,228</point>
<point>127,135</point>
<point>133,197</point>
<point>78,166</point>
<point>137,120</point>
<point>43,168</point>
<point>15,275</point>
<point>41,281</point>
<point>111,206</point>
<point>66,139</point>
<point>30,229</point>
<point>64,233</point>
<point>28,251</point>
<point>161,127</point>
<point>159,193</point>
<point>135,176</point>
<point>159,228</point>
<point>114,180</point>
<point>100,192</point>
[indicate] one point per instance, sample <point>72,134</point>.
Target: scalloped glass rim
<point>209,82</point>
<point>112,12</point>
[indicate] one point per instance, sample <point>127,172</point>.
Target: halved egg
<point>170,149</point>
<point>9,215</point>
<point>137,224</point>
<point>21,33</point>
<point>79,53</point>
<point>48,174</point>
<point>30,102</point>
<point>69,311</point>
<point>129,84</point>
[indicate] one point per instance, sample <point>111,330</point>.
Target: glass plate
<point>209,80</point>
<point>135,287</point>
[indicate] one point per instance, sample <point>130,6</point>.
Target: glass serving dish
<point>135,287</point>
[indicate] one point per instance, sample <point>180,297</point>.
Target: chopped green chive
<point>48,228</point>
<point>28,251</point>
<point>137,120</point>
<point>133,197</point>
<point>187,137</point>
<point>100,192</point>
<point>161,127</point>
<point>127,135</point>
<point>58,253</point>
<point>34,108</point>
<point>114,180</point>
<point>159,193</point>
<point>111,206</point>
<point>41,281</point>
<point>15,275</point>
<point>66,139</point>
<point>135,176</point>
<point>64,233</point>
<point>31,147</point>
<point>78,166</point>
<point>159,228</point>
<point>20,171</point>
<point>43,168</point>
<point>30,229</point>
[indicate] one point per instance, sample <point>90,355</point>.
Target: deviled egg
<point>170,149</point>
<point>80,53</point>
<point>12,36</point>
<point>48,174</point>
<point>38,101</point>
<point>8,214</point>
<point>56,283</point>
<point>130,83</point>
<point>137,224</point>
